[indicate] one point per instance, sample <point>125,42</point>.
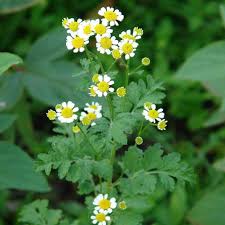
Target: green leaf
<point>210,209</point>
<point>103,169</point>
<point>17,170</point>
<point>7,60</point>
<point>127,217</point>
<point>49,47</point>
<point>207,66</point>
<point>6,120</point>
<point>37,213</point>
<point>9,98</point>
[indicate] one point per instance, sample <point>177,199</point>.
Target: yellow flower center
<point>122,205</point>
<point>127,48</point>
<point>100,217</point>
<point>92,116</point>
<point>87,29</point>
<point>75,129</point>
<point>110,15</point>
<point>92,92</point>
<point>78,42</point>
<point>73,26</point>
<point>153,113</point>
<point>67,112</point>
<point>138,140</point>
<point>116,54</point>
<point>103,86</point>
<point>104,204</point>
<point>128,36</point>
<point>106,43</point>
<point>95,78</point>
<point>86,121</point>
<point>51,114</point>
<point>162,124</point>
<point>100,29</point>
<point>121,92</point>
<point>139,31</point>
<point>93,107</point>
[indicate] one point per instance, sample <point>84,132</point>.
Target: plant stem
<point>110,67</point>
<point>127,74</point>
<point>109,101</point>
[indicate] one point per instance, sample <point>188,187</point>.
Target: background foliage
<point>174,33</point>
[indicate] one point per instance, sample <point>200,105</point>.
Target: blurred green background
<point>195,103</point>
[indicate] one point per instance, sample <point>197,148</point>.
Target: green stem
<point>127,74</point>
<point>132,72</point>
<point>109,101</point>
<point>110,67</point>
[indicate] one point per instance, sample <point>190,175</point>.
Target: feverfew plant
<point>99,146</point>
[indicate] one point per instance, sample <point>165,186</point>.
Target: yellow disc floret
<point>116,54</point>
<point>106,42</point>
<point>127,48</point>
<point>87,29</point>
<point>122,205</point>
<point>73,26</point>
<point>103,86</point>
<point>162,124</point>
<point>51,114</point>
<point>138,140</point>
<point>100,217</point>
<point>92,91</point>
<point>67,112</point>
<point>95,78</point>
<point>78,42</point>
<point>104,204</point>
<point>110,15</point>
<point>86,121</point>
<point>145,61</point>
<point>153,113</point>
<point>92,116</point>
<point>121,91</point>
<point>75,129</point>
<point>100,29</point>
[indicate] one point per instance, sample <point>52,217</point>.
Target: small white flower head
<point>66,114</point>
<point>111,16</point>
<point>100,218</point>
<point>86,29</point>
<point>103,86</point>
<point>162,124</point>
<point>116,53</point>
<point>65,22</point>
<point>72,25</point>
<point>77,43</point>
<point>100,29</point>
<point>128,48</point>
<point>89,117</point>
<point>127,35</point>
<point>138,32</point>
<point>92,92</point>
<point>152,114</point>
<point>103,204</point>
<point>105,43</point>
<point>93,107</point>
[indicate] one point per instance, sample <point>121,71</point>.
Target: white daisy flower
<point>128,48</point>
<point>103,204</point>
<point>99,28</point>
<point>66,113</point>
<point>138,32</point>
<point>152,114</point>
<point>86,29</point>
<point>89,118</point>
<point>162,124</point>
<point>100,218</point>
<point>127,35</point>
<point>93,107</point>
<point>73,25</point>
<point>103,86</point>
<point>105,43</point>
<point>77,43</point>
<point>111,16</point>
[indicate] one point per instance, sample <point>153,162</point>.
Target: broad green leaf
<point>37,213</point>
<point>9,98</point>
<point>49,47</point>
<point>7,60</point>
<point>6,120</point>
<point>52,83</point>
<point>127,217</point>
<point>210,209</point>
<point>12,6</point>
<point>17,170</point>
<point>207,66</point>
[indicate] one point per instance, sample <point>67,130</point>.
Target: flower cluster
<point>79,33</point>
<point>154,115</point>
<point>103,207</point>
<point>67,113</point>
